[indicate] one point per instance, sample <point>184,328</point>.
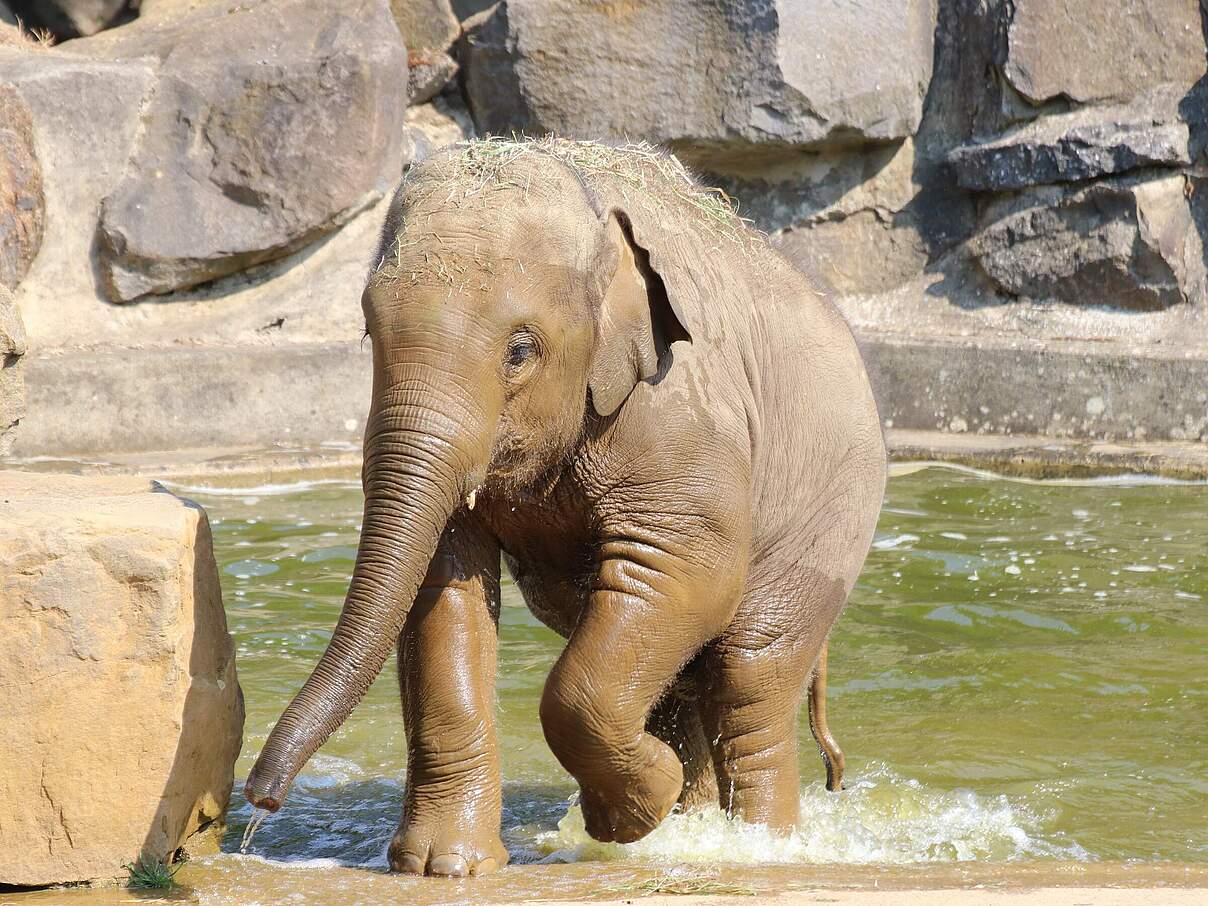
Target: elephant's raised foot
<point>447,851</point>
<point>631,810</point>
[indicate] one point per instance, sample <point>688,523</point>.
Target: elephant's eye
<point>522,347</point>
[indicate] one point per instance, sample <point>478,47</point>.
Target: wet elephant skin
<point>584,367</point>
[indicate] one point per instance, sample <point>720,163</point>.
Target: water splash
<point>882,817</point>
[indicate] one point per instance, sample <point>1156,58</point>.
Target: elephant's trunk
<point>414,476</point>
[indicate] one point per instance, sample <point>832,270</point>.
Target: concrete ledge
<point>1046,457</point>
<point>122,401</point>
<point>1021,456</point>
<point>1065,389</point>
<point>1032,409</point>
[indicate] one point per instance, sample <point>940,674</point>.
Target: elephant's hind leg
<point>757,673</point>
<point>832,755</point>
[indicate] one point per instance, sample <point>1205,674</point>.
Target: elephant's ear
<point>636,323</point>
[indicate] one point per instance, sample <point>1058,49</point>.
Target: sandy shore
<point>1042,896</point>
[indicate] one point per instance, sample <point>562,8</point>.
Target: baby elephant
<point>585,363</point>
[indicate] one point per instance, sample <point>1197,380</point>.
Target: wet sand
<point>249,881</point>
<point>1044,896</point>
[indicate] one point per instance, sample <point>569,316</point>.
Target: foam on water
<point>262,490</point>
<point>881,817</point>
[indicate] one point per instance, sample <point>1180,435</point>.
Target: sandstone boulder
<point>704,78</point>
<point>21,200</point>
<point>1088,50</point>
<point>12,381</point>
<point>242,158</point>
<point>1127,243</point>
<point>121,717</point>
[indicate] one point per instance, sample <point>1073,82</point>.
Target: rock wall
<point>12,377</point>
<point>1015,174</point>
<point>121,716</point>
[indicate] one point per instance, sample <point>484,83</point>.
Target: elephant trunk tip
<point>266,793</point>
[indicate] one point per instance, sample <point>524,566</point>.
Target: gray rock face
<point>1088,50</point>
<point>1127,243</point>
<point>244,158</point>
<point>1100,150</point>
<point>12,380</point>
<point>702,76</point>
<point>21,201</point>
<point>1085,144</point>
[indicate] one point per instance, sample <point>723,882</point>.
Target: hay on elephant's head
<point>470,169</point>
<point>470,173</point>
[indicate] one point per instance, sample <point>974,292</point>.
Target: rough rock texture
<point>12,378</point>
<point>428,73</point>
<point>21,201</point>
<point>1084,144</point>
<point>85,117</point>
<point>1089,50</point>
<point>1128,243</point>
<point>431,127</point>
<point>702,76</point>
<point>122,716</point>
<point>426,24</point>
<point>72,18</point>
<point>843,215</point>
<point>244,158</point>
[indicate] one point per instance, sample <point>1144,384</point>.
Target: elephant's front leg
<point>446,666</point>
<point>653,607</point>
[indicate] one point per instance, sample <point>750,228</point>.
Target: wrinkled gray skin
<point>667,432</point>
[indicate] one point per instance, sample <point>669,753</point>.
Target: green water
<point>1022,673</point>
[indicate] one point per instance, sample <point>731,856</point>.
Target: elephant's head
<point>501,307</point>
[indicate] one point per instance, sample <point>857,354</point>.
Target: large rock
<point>1127,243</point>
<point>12,379</point>
<point>242,158</point>
<point>21,200</point>
<point>1089,50</point>
<point>85,116</point>
<point>1084,144</point>
<point>121,717</point>
<point>703,77</point>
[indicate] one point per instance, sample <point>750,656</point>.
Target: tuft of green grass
<point>152,874</point>
<point>685,885</point>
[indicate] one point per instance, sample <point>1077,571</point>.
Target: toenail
<point>411,864</point>
<point>449,864</point>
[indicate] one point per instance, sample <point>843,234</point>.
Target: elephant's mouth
<point>520,467</point>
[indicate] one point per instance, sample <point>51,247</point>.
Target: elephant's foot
<point>628,807</point>
<point>452,848</point>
